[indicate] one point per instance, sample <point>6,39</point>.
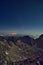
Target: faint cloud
<point>13,33</point>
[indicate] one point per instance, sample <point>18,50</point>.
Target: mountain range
<point>21,50</point>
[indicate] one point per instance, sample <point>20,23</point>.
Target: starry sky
<point>21,16</point>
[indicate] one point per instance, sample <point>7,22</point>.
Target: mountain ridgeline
<point>26,39</point>
<point>21,50</point>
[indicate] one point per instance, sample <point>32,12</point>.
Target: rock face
<point>27,39</point>
<point>21,51</point>
<point>39,41</point>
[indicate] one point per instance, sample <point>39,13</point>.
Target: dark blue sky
<point>21,16</point>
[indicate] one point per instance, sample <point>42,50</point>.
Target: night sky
<point>21,16</point>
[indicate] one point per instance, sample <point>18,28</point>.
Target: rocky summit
<point>21,50</point>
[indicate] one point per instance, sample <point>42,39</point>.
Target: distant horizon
<point>15,33</point>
